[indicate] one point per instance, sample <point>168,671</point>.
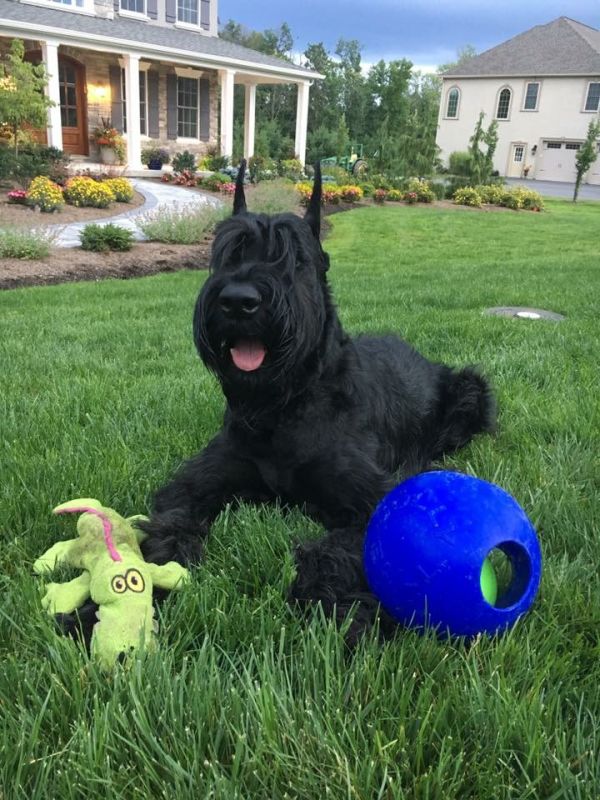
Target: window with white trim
<point>452,103</point>
<point>592,100</point>
<point>136,6</point>
<point>188,107</point>
<point>143,102</point>
<point>531,96</point>
<point>503,103</point>
<point>188,11</point>
<point>75,3</point>
<point>572,146</point>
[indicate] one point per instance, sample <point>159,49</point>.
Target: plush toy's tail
<point>68,508</point>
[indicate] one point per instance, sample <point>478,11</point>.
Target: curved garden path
<point>156,194</point>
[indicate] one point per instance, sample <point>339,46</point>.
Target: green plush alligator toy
<point>115,576</point>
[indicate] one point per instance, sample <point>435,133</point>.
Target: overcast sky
<point>428,32</point>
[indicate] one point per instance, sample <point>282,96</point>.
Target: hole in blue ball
<point>512,568</point>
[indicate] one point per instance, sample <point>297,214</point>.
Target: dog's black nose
<point>239,300</point>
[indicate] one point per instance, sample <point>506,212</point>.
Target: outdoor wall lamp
<point>534,150</point>
<point>98,93</point>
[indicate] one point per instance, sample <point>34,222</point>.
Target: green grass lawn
<point>103,395</point>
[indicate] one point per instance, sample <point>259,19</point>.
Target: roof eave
<point>113,45</point>
<point>502,75</point>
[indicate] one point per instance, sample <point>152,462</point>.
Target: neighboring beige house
<point>156,68</point>
<point>542,86</point>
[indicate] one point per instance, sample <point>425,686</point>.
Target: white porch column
<point>302,120</point>
<point>54,125</point>
<point>132,93</point>
<point>227,76</point>
<point>249,120</point>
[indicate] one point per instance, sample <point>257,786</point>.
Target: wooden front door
<point>73,106</point>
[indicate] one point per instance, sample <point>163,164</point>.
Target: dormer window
<point>187,11</point>
<point>195,13</point>
<point>137,7</point>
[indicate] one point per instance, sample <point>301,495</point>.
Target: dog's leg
<point>185,508</point>
<point>466,407</point>
<point>330,572</point>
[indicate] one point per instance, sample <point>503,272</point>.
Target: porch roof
<point>30,21</point>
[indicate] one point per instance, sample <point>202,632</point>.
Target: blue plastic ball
<point>426,545</point>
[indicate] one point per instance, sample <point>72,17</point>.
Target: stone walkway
<point>156,194</point>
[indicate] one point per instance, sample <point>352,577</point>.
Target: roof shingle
<point>140,33</point>
<point>561,47</point>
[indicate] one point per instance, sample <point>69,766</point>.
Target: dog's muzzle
<point>239,300</point>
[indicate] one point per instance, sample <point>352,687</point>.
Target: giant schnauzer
<point>314,417</point>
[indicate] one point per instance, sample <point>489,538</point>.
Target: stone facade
<point>99,100</point>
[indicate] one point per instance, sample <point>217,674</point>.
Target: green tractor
<point>354,162</point>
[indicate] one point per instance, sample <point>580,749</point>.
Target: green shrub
<point>454,182</point>
<point>175,225</point>
<point>121,189</point>
<point>292,169</point>
<point>31,245</point>
<point>439,189</point>
<point>467,196</point>
<point>493,193</point>
<point>101,238</point>
<point>183,162</point>
<point>272,197</point>
<point>459,163</point>
<point>262,169</point>
<point>521,198</point>
<point>85,192</point>
<point>213,183</point>
<point>45,195</point>
<point>33,161</point>
<point>396,195</point>
<point>368,189</point>
<point>422,189</point>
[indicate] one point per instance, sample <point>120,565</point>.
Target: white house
<point>156,68</point>
<point>543,87</point>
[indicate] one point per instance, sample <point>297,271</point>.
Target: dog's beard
<point>264,351</point>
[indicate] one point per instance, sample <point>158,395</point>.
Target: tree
<point>22,87</point>
<point>586,155</point>
<point>482,163</point>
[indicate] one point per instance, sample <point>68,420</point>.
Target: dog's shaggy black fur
<point>314,417</point>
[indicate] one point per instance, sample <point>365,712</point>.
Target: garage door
<point>557,161</point>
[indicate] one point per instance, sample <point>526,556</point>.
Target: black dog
<point>314,418</point>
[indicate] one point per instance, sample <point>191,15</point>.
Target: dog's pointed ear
<point>313,213</point>
<point>239,198</point>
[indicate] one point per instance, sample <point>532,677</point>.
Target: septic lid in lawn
<point>522,312</point>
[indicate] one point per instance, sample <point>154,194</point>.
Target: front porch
<point>152,102</point>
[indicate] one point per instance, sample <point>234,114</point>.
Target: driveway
<point>557,188</point>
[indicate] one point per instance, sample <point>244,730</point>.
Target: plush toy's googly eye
<point>135,581</point>
<point>119,584</point>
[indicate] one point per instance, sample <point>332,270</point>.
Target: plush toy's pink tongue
<point>248,354</point>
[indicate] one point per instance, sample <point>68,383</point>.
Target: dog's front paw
<point>170,536</point>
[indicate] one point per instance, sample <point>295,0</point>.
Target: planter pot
<point>155,163</point>
<point>108,155</point>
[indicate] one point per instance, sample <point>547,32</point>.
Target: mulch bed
<point>73,264</point>
<point>15,215</point>
<point>145,258</point>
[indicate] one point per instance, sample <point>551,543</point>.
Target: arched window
<point>452,103</point>
<point>503,103</point>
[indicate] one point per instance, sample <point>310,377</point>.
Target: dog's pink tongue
<point>248,354</point>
